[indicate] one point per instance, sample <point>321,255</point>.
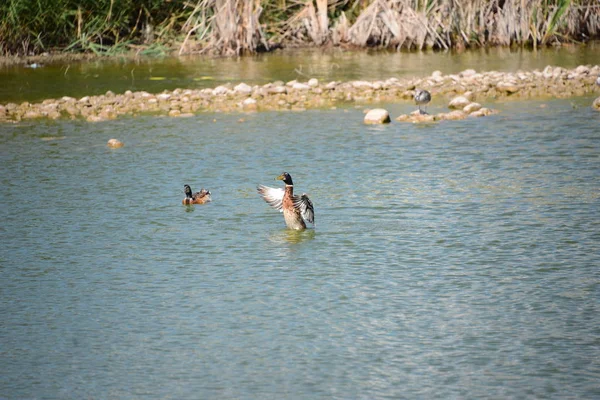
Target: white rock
<point>558,71</point>
<point>300,86</point>
<point>242,88</point>
<point>220,91</point>
<point>377,116</point>
<point>277,89</point>
<point>313,82</point>
<point>458,103</point>
<point>362,84</point>
<point>472,107</point>
<point>508,87</point>
<point>163,96</point>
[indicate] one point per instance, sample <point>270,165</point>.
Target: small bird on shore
<point>201,197</point>
<point>296,209</point>
<point>422,97</point>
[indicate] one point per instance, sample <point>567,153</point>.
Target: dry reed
<point>233,27</point>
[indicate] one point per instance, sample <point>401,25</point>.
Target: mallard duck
<point>201,197</point>
<point>296,209</point>
<point>422,97</point>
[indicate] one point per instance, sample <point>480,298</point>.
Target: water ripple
<point>455,260</point>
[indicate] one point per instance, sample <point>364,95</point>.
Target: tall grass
<point>33,26</point>
<point>234,27</point>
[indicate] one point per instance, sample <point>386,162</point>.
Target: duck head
<point>286,178</point>
<point>187,190</point>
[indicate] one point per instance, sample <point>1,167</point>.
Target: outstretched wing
<point>305,206</point>
<point>272,196</point>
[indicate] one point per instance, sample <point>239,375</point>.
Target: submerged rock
<point>416,117</point>
<point>482,112</point>
<point>470,110</point>
<point>453,115</point>
<point>115,143</point>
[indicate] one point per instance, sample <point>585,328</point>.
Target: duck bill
<point>280,178</point>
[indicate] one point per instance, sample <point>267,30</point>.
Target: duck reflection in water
<point>292,236</point>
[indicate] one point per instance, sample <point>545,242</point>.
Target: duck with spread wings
<point>297,209</point>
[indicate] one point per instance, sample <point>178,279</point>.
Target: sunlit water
<point>452,260</point>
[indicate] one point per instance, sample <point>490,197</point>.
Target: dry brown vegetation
<point>233,27</point>
<point>402,24</point>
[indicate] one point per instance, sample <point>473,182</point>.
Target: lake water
<point>452,260</point>
<point>78,79</point>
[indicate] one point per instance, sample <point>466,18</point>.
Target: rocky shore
<point>552,82</point>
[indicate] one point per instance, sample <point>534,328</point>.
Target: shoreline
<point>551,82</point>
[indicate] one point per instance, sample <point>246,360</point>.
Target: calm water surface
<point>80,79</point>
<point>455,260</point>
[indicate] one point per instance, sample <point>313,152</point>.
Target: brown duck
<point>201,197</point>
<point>296,209</point>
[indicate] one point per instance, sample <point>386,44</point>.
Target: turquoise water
<point>455,260</point>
